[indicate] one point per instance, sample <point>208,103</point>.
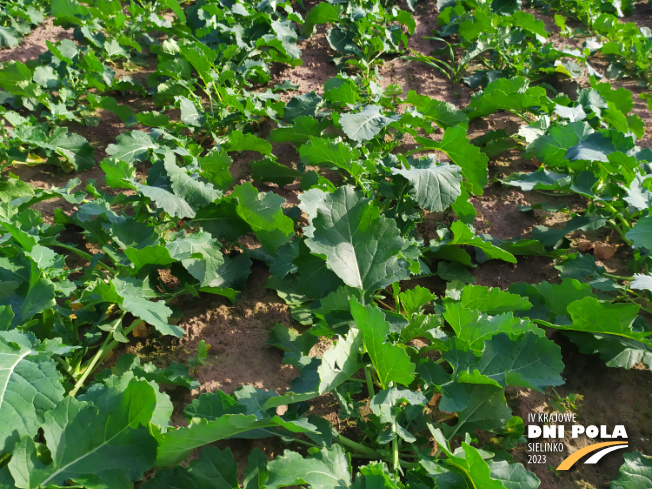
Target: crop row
<point>410,369</point>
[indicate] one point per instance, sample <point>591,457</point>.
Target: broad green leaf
<point>149,255</point>
<point>39,297</point>
<point>174,446</point>
<point>591,316</point>
<point>247,142</point>
<point>641,282</point>
<point>268,170</point>
<point>476,468</point>
<point>341,91</point>
<point>377,475</point>
<point>154,313</point>
<point>328,468</point>
<point>73,147</point>
<point>302,130</point>
<point>192,190</point>
<point>215,168</point>
<point>302,105</point>
<point>507,94</point>
<point>189,113</point>
<point>392,363</point>
<point>30,386</point>
<point>116,449</point>
<point>443,114</point>
<point>635,472</point>
<point>529,361</point>
<point>513,476</point>
<point>641,233</point>
<point>616,351</point>
<point>383,403</point>
<point>319,151</point>
<point>477,407</point>
<point>340,362</point>
<point>323,13</point>
<point>464,236</point>
<point>461,152</point>
<point>475,327</point>
<point>434,186</point>
<point>583,268</point>
<point>492,300</point>
<point>412,300</point>
<point>467,460</point>
<point>131,147</point>
<point>200,255</point>
<point>365,125</point>
<point>214,469</point>
<point>361,247</point>
<point>264,214</point>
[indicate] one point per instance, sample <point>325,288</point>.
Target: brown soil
<point>238,333</point>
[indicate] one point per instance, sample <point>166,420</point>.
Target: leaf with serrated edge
<point>365,125</point>
<point>328,468</point>
<point>30,385</point>
<point>392,363</point>
<point>117,446</point>
<point>361,247</point>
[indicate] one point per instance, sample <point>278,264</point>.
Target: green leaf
<point>412,300</point>
<point>174,446</point>
<point>154,313</point>
<point>641,233</point>
<point>443,114</point>
<point>117,446</point>
<point>328,468</point>
<point>149,255</point>
<point>215,168</point>
<point>475,328</point>
<point>189,113</point>
<point>170,203</point>
<point>434,186</point>
<point>247,142</point>
<point>365,125</point>
<point>268,170</point>
<point>467,460</point>
<point>200,255</point>
<point>362,247</point>
<point>341,91</point>
<point>132,146</point>
<point>30,386</point>
<point>616,351</point>
<point>319,151</point>
<point>507,94</point>
<point>192,190</point>
<point>513,476</point>
<point>340,362</point>
<point>392,363</point>
<point>641,282</point>
<point>635,473</point>
<point>464,236</point>
<point>461,152</point>
<point>477,407</point>
<point>492,300</point>
<point>264,214</point>
<point>214,469</point>
<point>529,361</point>
<point>302,130</point>
<point>322,13</point>
<point>591,316</point>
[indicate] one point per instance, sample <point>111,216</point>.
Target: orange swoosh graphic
<point>568,462</point>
